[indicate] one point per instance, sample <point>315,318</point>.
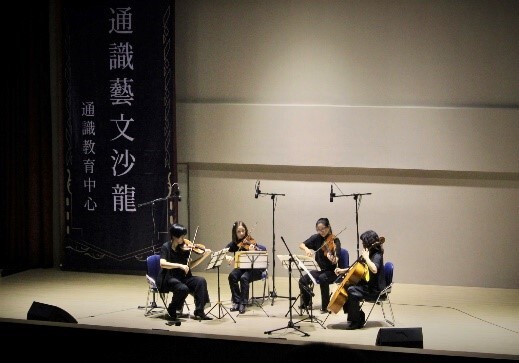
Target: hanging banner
<point>120,162</point>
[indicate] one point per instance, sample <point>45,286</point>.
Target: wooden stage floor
<point>455,321</point>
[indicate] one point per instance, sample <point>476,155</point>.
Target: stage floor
<point>461,321</point>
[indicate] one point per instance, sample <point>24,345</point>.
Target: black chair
<point>383,296</point>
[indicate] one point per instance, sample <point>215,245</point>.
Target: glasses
<point>321,229</point>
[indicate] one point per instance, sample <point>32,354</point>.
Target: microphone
<point>177,195</point>
<point>257,189</point>
<point>332,194</point>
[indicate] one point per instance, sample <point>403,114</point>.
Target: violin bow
<point>191,250</point>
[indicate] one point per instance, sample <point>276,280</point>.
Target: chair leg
<point>370,310</point>
<point>151,305</point>
<point>392,321</point>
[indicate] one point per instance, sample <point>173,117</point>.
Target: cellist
<point>372,256</point>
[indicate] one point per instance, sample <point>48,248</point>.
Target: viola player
<point>326,248</point>
<point>240,278</point>
<point>175,274</point>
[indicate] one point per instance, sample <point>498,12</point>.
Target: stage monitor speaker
<point>400,337</point>
<point>45,312</point>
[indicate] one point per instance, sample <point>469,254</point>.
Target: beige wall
<point>415,102</point>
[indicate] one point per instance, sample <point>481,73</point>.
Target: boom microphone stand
<point>358,198</point>
<point>176,195</point>
<point>273,196</point>
<point>290,322</point>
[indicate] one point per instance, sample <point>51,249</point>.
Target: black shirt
<point>179,256</point>
<point>314,243</point>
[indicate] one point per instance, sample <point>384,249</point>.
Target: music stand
<point>216,260</point>
<point>285,262</point>
<point>290,322</point>
<point>304,262</point>
<point>252,260</point>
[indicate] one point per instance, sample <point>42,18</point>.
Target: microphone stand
<point>357,197</point>
<point>290,322</point>
<point>273,294</point>
<point>176,195</point>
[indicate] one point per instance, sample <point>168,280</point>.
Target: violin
<point>197,248</point>
<point>247,242</point>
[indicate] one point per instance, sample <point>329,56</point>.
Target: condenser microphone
<point>257,189</point>
<point>177,195</point>
<point>332,194</point>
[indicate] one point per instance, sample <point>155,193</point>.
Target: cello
<point>357,271</point>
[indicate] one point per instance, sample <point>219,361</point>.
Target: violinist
<point>240,278</point>
<point>326,247</point>
<point>372,255</point>
<point>175,272</point>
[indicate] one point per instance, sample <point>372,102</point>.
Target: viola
<point>329,244</point>
<point>193,247</point>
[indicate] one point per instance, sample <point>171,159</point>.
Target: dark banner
<point>120,163</point>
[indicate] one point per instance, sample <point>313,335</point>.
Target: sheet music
<point>248,259</point>
<point>302,266</point>
<point>303,262</point>
<point>216,258</point>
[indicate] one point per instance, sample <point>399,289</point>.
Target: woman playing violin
<point>372,256</point>
<point>240,278</point>
<point>326,247</point>
<point>175,272</point>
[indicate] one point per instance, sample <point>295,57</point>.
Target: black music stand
<point>252,260</point>
<point>216,260</point>
<point>285,259</point>
<point>305,262</point>
<point>290,322</point>
<point>273,196</point>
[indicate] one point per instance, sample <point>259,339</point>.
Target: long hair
<point>369,238</point>
<point>235,227</point>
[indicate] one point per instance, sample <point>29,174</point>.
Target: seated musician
<point>372,256</point>
<point>325,246</point>
<point>176,276</point>
<point>240,278</point>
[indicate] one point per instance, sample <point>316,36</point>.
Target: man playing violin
<point>240,278</point>
<point>175,274</point>
<point>326,247</point>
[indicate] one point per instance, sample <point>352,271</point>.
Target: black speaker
<point>45,312</point>
<point>400,337</point>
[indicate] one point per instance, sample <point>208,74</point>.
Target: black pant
<point>357,293</point>
<point>195,285</point>
<point>324,279</point>
<point>239,282</point>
